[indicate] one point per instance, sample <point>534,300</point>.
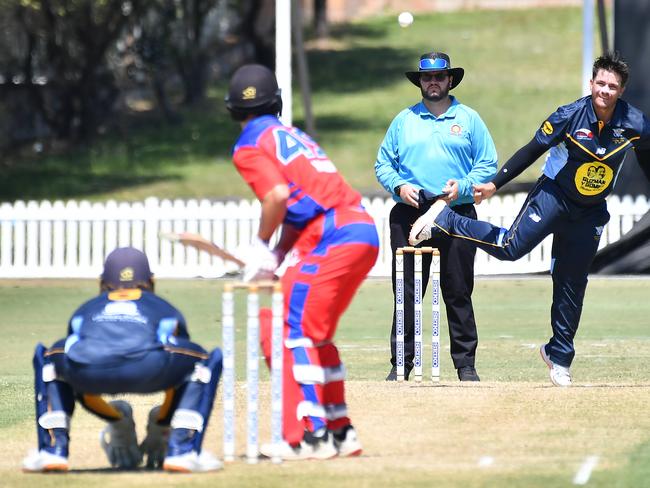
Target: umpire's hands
<point>409,195</point>
<point>483,191</point>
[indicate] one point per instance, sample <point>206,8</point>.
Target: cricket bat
<point>199,242</point>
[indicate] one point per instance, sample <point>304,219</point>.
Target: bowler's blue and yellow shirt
<point>586,154</point>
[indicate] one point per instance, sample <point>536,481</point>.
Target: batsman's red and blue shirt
<point>586,154</point>
<point>268,153</point>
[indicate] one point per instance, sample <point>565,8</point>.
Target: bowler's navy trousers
<point>576,233</point>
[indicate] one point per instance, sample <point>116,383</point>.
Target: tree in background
<point>54,62</point>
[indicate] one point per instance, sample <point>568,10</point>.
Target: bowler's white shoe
<point>192,462</point>
<point>422,228</point>
<point>560,375</point>
<point>44,462</point>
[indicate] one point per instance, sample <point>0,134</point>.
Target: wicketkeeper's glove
<point>154,445</point>
<point>119,439</point>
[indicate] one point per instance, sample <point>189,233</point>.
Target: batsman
<point>126,340</point>
<point>334,244</point>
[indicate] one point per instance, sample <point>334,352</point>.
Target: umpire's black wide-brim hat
<point>435,61</point>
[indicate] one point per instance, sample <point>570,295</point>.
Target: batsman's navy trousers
<point>456,281</point>
<point>576,234</point>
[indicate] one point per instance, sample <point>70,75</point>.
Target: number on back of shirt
<point>290,145</point>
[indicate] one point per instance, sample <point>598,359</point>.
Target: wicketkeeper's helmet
<point>126,267</point>
<point>253,90</point>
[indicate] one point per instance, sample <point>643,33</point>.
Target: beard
<point>441,95</point>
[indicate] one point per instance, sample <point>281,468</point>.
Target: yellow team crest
<point>249,93</point>
<point>593,178</point>
<point>126,274</point>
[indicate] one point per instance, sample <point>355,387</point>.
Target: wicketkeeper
<point>126,340</point>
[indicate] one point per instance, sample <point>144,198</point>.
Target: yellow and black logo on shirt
<point>547,128</point>
<point>593,178</point>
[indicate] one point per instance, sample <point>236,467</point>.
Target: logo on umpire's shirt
<point>456,130</point>
<point>593,178</point>
<point>547,128</point>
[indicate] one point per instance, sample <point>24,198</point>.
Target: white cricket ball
<point>405,19</point>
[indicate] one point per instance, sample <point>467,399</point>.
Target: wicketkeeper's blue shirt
<point>426,151</point>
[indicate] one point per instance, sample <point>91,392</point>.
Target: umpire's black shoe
<point>468,373</point>
<point>392,376</point>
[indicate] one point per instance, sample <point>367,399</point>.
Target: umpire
<point>440,147</point>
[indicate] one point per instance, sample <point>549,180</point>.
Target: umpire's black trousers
<point>456,282</point>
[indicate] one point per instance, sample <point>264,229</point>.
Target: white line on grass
<point>584,473</point>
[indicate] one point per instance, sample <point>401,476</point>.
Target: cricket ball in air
<point>405,19</point>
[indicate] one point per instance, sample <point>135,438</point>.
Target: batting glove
<point>261,262</point>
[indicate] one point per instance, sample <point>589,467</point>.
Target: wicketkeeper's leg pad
<point>190,419</point>
<point>54,405</point>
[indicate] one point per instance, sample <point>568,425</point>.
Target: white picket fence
<point>71,240</point>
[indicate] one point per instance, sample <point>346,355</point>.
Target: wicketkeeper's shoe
<point>119,439</point>
<point>560,375</point>
<point>423,227</point>
<point>44,462</point>
<point>192,462</point>
<point>346,442</point>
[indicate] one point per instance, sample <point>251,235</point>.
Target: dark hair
<point>147,285</point>
<point>611,61</point>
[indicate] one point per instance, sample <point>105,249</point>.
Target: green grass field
<point>512,430</point>
<point>520,66</point>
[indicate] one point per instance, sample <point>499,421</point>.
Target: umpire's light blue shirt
<point>426,151</point>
